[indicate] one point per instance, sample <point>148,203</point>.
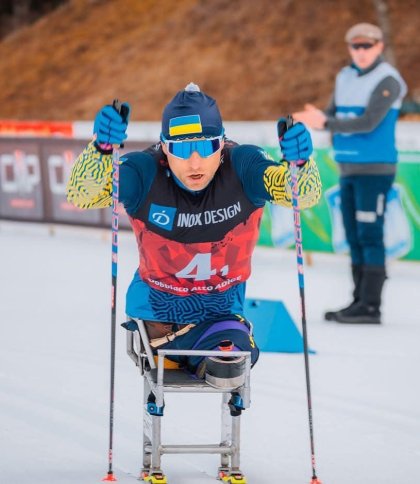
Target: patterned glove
<point>296,143</point>
<point>110,127</point>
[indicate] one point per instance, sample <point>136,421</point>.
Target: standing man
<point>195,201</point>
<point>362,116</point>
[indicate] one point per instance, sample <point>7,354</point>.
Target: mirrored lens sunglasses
<point>184,148</point>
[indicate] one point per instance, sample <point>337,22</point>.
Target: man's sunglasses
<point>362,45</point>
<point>184,148</point>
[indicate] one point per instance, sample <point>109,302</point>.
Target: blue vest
<point>352,95</point>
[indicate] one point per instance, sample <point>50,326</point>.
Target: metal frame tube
<point>156,443</point>
<point>130,347</point>
<point>159,387</point>
<point>194,449</point>
<point>226,436</point>
<point>236,439</point>
<point>144,338</point>
<point>164,352</point>
<point>147,426</point>
<point>246,392</point>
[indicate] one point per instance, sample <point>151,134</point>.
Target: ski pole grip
<point>283,125</point>
<point>116,105</point>
<point>123,110</point>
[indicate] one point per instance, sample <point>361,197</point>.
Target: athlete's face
<point>365,51</point>
<point>194,172</point>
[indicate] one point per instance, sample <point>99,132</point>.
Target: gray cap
<point>364,30</point>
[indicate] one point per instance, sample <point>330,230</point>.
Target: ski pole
<point>114,240</point>
<point>282,126</point>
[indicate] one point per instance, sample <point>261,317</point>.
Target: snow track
<point>54,371</point>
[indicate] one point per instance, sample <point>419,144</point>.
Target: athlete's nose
<point>195,160</point>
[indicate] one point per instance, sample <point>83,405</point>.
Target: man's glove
<point>110,126</point>
<point>296,143</point>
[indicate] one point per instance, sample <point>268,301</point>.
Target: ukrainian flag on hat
<point>191,113</point>
<point>185,125</point>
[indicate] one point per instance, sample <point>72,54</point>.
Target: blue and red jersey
<point>195,248</point>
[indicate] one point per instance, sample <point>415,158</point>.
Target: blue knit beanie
<point>191,114</point>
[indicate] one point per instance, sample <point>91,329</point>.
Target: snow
<point>54,373</point>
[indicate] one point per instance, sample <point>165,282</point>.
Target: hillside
<point>259,58</point>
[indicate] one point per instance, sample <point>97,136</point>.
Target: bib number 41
<point>199,268</point>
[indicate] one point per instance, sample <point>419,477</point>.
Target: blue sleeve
<point>137,172</point>
<point>250,163</point>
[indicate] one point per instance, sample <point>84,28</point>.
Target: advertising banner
<point>33,179</point>
<point>34,174</point>
<point>21,191</point>
<point>323,226</point>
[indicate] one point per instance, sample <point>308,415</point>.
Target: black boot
<point>367,309</point>
<point>357,273</point>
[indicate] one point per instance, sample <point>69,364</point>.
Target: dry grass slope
<point>259,59</point>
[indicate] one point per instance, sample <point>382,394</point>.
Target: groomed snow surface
<point>54,374</point>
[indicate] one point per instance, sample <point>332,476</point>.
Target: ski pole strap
<point>156,342</point>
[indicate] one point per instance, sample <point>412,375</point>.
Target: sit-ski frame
<point>157,382</point>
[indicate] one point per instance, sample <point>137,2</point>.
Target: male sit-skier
<point>195,201</point>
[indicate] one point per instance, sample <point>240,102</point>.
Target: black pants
<point>363,203</point>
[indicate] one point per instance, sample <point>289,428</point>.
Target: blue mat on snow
<point>274,329</point>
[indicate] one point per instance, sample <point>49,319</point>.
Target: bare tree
<point>21,12</point>
<point>381,7</point>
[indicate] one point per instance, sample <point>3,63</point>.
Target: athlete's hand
<point>296,143</point>
<point>110,126</point>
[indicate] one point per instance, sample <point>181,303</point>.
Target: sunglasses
<point>362,45</point>
<point>183,149</point>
